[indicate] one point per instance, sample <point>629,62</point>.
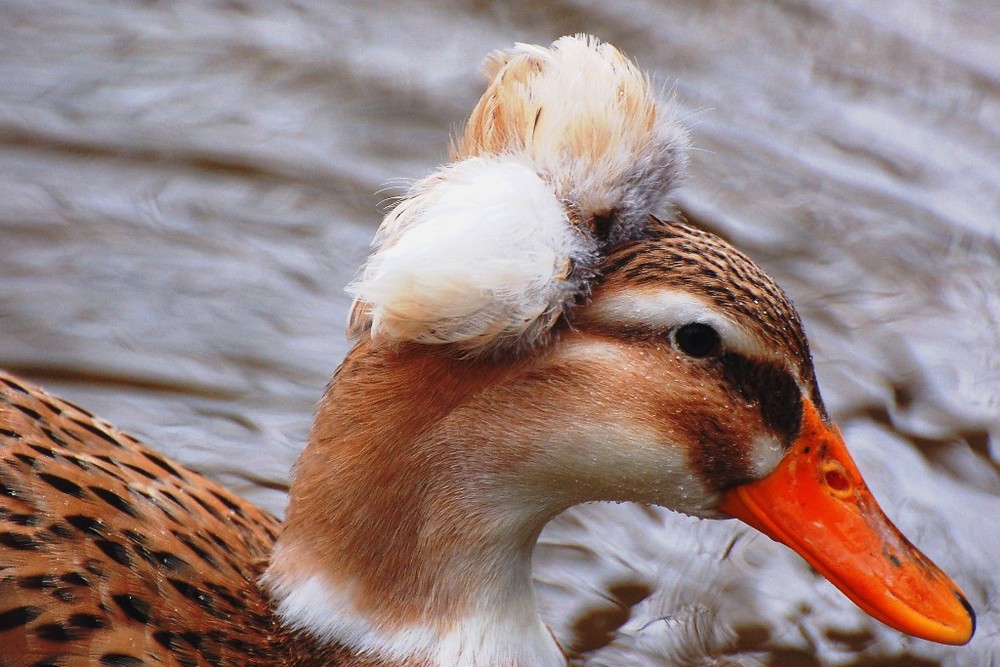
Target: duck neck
<point>409,534</point>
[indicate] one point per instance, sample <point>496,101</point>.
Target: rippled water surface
<point>186,188</point>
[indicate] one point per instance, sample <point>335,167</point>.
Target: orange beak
<point>816,502</point>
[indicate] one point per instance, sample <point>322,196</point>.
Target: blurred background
<point>186,187</point>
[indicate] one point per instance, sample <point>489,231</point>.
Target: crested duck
<point>532,332</point>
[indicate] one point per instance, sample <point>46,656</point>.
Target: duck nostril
<point>835,478</point>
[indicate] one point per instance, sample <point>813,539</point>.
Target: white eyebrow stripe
<point>667,309</point>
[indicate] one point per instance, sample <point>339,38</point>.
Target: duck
<point>535,328</point>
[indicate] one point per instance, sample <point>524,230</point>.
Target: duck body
<point>532,332</point>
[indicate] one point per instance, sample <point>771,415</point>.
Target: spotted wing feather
<point>111,554</point>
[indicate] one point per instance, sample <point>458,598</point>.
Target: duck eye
<point>697,340</point>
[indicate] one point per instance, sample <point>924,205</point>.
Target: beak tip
<point>972,616</point>
<point>957,630</point>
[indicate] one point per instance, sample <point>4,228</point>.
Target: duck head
<point>532,334</point>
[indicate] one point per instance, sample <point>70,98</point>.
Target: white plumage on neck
<point>505,629</point>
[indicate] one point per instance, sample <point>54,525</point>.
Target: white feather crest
<point>567,154</point>
<point>477,253</point>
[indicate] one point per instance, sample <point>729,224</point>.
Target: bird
<point>535,328</point>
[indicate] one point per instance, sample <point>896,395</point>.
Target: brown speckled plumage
<point>110,554</point>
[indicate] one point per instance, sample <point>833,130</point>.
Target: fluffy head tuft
<point>568,153</point>
<point>589,122</point>
<point>479,254</point>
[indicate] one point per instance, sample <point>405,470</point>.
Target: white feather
<point>480,639</point>
<point>480,250</point>
<point>670,308</point>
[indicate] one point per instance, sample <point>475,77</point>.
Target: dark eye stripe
<point>769,386</point>
<point>719,462</point>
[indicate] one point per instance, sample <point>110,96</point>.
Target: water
<point>186,187</point>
